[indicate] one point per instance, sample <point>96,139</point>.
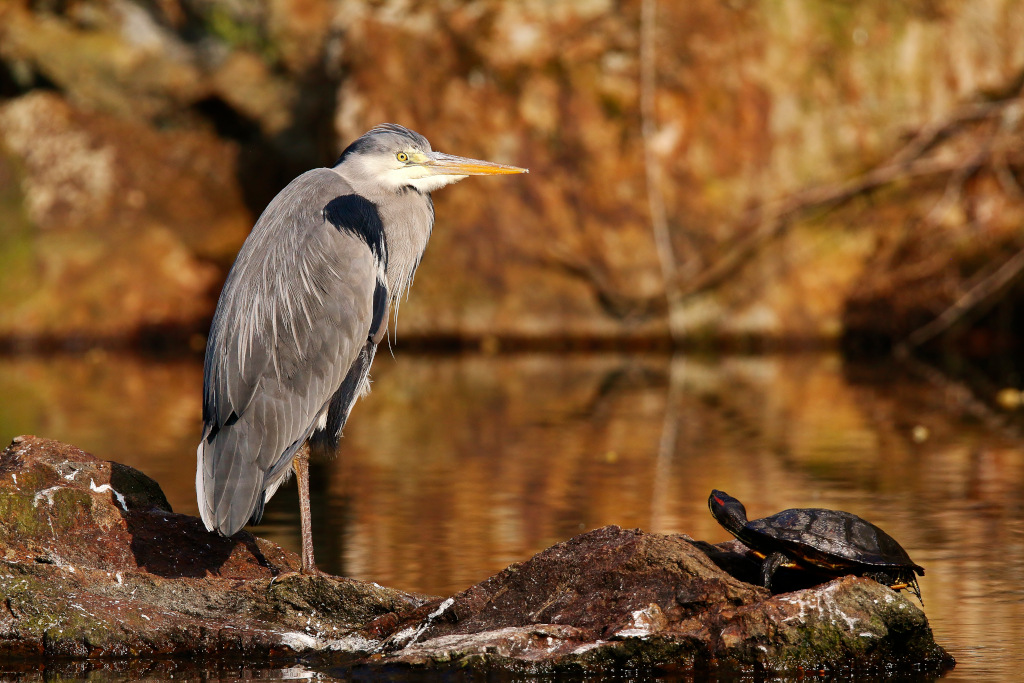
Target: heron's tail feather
<point>202,474</point>
<point>228,489</point>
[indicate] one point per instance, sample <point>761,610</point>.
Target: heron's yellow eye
<point>402,156</point>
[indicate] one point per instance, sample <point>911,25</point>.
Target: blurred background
<point>771,247</point>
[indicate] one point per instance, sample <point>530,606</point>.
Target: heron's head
<point>393,158</point>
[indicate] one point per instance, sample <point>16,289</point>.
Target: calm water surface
<point>456,466</point>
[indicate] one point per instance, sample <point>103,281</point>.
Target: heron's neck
<point>408,219</point>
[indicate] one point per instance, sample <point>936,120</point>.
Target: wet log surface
<point>97,568</point>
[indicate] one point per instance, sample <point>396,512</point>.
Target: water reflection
<point>458,465</point>
<point>141,412</point>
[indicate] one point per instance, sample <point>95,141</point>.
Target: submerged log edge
<point>98,572</point>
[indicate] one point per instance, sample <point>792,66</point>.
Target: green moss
<point>240,34</point>
<point>20,517</point>
<point>820,645</point>
<point>42,514</point>
<point>46,610</point>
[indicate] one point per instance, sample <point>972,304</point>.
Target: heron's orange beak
<point>446,164</point>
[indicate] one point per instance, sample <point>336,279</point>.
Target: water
<point>456,466</point>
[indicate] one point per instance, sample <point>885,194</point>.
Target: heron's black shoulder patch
<point>359,216</point>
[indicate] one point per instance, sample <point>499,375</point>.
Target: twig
<point>929,136</point>
<point>1006,178</point>
<point>815,199</point>
<point>975,296</point>
<point>655,200</point>
<point>609,297</point>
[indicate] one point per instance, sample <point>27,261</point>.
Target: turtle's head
<point>729,512</point>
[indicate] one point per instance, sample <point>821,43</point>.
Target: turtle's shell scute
<point>818,536</point>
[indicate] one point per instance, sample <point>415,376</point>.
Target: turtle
<point>830,542</point>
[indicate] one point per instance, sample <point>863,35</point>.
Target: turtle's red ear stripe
<point>718,500</point>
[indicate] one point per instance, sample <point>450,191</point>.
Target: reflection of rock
<point>96,564</point>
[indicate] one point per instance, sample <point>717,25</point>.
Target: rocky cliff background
<point>707,170</point>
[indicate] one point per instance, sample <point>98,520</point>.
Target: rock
<point>96,565</point>
<point>569,250</point>
<point>111,56</point>
<point>567,255</point>
<point>245,83</point>
<point>122,59</point>
<point>614,597</point>
<point>124,223</point>
<point>85,170</point>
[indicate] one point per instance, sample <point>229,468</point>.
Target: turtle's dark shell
<point>828,539</point>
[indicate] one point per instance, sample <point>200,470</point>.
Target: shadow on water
<point>456,466</point>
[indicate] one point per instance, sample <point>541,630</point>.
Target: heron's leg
<point>301,466</point>
<point>771,563</point>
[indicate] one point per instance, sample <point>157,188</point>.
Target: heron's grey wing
<point>325,439</point>
<point>293,317</point>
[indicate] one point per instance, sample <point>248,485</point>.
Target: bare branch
<point>770,222</point>
<point>609,297</point>
<point>981,294</point>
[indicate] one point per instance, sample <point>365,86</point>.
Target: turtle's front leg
<point>768,567</point>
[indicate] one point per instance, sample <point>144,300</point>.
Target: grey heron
<point>301,313</point>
